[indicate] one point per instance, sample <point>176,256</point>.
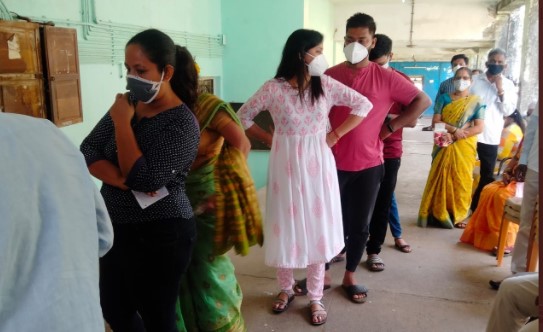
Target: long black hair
<point>293,65</point>
<point>517,118</point>
<point>161,50</point>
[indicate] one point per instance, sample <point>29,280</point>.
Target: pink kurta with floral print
<point>303,223</point>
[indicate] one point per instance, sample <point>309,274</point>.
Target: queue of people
<point>179,194</point>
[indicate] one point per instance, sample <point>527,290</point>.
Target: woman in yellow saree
<point>223,196</point>
<point>447,195</point>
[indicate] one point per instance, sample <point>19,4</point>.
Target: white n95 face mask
<point>355,52</point>
<point>461,85</point>
<point>318,66</point>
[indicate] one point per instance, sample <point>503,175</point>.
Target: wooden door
<point>63,79</point>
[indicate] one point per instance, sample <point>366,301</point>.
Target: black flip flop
<point>353,290</point>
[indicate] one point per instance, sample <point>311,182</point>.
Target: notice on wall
<point>14,49</point>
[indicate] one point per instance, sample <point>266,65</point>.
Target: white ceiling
<point>376,2</point>
<point>440,28</point>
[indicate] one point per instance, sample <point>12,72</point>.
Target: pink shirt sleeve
<point>342,95</point>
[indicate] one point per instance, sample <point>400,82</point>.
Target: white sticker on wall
<point>14,49</point>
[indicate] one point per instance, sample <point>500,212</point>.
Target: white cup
<point>439,127</point>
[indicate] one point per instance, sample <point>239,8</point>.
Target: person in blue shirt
<point>53,227</point>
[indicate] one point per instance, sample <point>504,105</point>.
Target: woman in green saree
<point>223,197</point>
<point>447,195</point>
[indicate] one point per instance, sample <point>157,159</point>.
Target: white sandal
<point>320,314</point>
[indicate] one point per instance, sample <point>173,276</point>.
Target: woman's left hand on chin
<point>121,110</point>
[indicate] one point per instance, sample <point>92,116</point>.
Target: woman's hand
<point>331,139</point>
<point>121,111</point>
<point>460,134</point>
<point>507,176</point>
<point>448,138</point>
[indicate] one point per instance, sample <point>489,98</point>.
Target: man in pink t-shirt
<point>359,154</point>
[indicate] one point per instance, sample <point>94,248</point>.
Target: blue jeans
<point>394,219</point>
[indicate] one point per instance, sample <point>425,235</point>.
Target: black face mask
<point>494,69</point>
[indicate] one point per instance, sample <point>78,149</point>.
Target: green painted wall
<point>255,33</point>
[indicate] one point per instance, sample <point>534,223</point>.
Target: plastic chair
<point>533,244</point>
<point>511,213</point>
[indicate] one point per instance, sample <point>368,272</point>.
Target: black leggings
<point>140,275</point>
<point>358,194</point>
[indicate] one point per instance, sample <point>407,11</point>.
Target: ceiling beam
<point>507,6</point>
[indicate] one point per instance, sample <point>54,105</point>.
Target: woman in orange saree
<point>483,229</point>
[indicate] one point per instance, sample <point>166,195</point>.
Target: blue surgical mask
<point>494,69</point>
<point>142,89</point>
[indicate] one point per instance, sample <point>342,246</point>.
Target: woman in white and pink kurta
<point>303,223</point>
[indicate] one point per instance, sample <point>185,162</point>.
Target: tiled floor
<point>441,286</point>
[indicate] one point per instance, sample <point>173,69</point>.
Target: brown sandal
<point>402,247</point>
<point>280,305</point>
<point>318,315</point>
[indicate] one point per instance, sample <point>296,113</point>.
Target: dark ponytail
<point>161,50</point>
<point>185,77</point>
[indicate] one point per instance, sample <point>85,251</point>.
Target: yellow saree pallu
<point>483,229</point>
<point>447,195</point>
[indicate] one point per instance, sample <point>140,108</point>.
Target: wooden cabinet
<point>39,72</point>
<point>21,77</point>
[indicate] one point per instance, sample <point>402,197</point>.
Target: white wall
<point>319,15</point>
